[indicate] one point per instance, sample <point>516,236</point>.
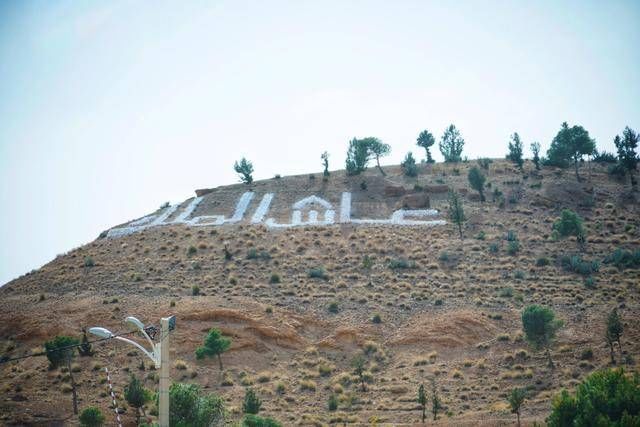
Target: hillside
<point>453,313</point>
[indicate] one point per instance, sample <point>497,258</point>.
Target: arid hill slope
<point>452,315</point>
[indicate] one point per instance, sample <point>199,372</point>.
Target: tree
<point>325,163</point>
<point>85,347</point>
<point>378,149</point>
<point>187,408</point>
<point>540,327</point>
<point>251,420</point>
<point>245,170</point>
<point>515,150</point>
<point>426,140</point>
<point>436,404</point>
<point>252,403</point>
<point>451,145</point>
<point>358,364</point>
<point>456,211</point>
<point>409,165</point>
<point>570,224</point>
<point>614,332</point>
<point>605,398</point>
<point>627,156</point>
<point>422,400</point>
<point>61,351</point>
<point>535,149</point>
<point>477,179</point>
<point>358,156</point>
<point>91,417</point>
<point>136,395</point>
<point>516,398</point>
<point>214,345</point>
<point>569,145</point>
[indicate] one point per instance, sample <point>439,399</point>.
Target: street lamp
<point>159,353</point>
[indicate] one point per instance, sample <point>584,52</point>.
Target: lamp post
<point>159,353</point>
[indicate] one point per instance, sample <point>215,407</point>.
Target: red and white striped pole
<point>113,397</point>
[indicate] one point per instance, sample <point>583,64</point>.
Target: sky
<point>109,109</point>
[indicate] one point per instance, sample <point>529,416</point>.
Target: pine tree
<point>516,399</point>
<point>515,150</point>
<point>614,332</point>
<point>540,327</point>
<point>422,400</point>
<point>214,345</point>
<point>252,403</point>
<point>325,163</point>
<point>451,145</point>
<point>408,165</point>
<point>244,168</point>
<point>136,395</point>
<point>569,145</point>
<point>476,180</point>
<point>436,404</point>
<point>535,149</point>
<point>627,156</point>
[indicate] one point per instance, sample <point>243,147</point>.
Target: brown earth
<point>449,318</point>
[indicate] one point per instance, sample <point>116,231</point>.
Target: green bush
<point>376,318</point>
<point>542,261</point>
<point>91,417</point>
<point>401,263</point>
<point>333,307</point>
<point>332,405</point>
<point>494,248</point>
<point>192,250</point>
<point>190,409</point>
<point>88,262</point>
<point>604,398</point>
<point>409,165</point>
<point>252,403</point>
<point>623,259</point>
<point>513,247</point>
<point>255,254</point>
<point>251,420</point>
<point>275,278</point>
<point>576,264</point>
<point>318,273</point>
<point>195,290</point>
<point>506,292</point>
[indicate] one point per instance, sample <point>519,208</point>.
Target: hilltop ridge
<point>298,303</point>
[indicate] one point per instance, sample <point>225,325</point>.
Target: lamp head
<point>130,320</point>
<point>101,332</point>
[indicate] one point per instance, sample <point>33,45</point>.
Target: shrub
<point>542,261</point>
<point>333,307</point>
<point>275,278</point>
<point>192,250</point>
<point>512,236</point>
<point>91,417</point>
<point>401,263</point>
<point>251,420</point>
<point>195,290</point>
<point>255,254</point>
<point>318,273</point>
<point>569,224</point>
<point>506,292</point>
<point>252,403</point>
<point>376,318</point>
<point>540,326</point>
<point>494,248</point>
<point>576,264</point>
<point>519,274</point>
<point>190,408</point>
<point>624,259</point>
<point>484,163</point>
<point>88,261</point>
<point>590,282</point>
<point>617,171</point>
<point>477,180</point>
<point>604,398</point>
<point>481,235</point>
<point>332,405</point>
<point>513,247</point>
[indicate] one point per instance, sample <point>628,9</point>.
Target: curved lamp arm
<point>151,356</point>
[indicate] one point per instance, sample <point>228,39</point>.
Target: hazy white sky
<point>108,109</point>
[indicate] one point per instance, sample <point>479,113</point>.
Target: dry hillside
<point>452,315</point>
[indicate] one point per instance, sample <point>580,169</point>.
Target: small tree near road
<point>422,400</point>
<point>214,345</point>
<point>426,140</point>
<point>476,180</point>
<point>456,211</point>
<point>60,351</point>
<point>614,332</point>
<point>244,168</point>
<point>515,150</point>
<point>540,327</point>
<point>451,145</point>
<point>516,399</point>
<point>136,396</point>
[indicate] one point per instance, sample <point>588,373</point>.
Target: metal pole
<point>164,373</point>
